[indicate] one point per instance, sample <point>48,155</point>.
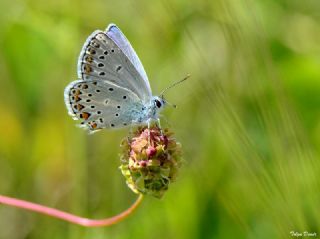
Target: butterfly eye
<point>158,103</point>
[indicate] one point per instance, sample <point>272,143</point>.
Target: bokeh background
<point>248,119</point>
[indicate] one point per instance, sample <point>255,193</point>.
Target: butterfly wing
<point>102,59</point>
<point>122,42</point>
<point>102,104</point>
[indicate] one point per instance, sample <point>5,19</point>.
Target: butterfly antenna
<point>173,105</point>
<point>174,84</point>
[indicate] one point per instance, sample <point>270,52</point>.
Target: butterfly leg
<point>159,125</point>
<point>166,120</point>
<point>131,129</point>
<point>148,122</point>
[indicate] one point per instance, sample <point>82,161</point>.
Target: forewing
<point>102,104</point>
<point>122,42</point>
<point>102,59</point>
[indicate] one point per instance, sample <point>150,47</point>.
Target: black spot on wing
<point>118,68</point>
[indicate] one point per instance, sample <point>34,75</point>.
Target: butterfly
<point>113,89</point>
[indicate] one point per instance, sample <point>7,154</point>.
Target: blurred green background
<point>248,119</point>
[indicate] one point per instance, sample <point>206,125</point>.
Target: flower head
<point>150,160</point>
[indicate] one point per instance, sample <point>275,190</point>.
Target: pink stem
<point>68,216</point>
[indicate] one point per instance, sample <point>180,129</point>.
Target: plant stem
<point>68,216</point>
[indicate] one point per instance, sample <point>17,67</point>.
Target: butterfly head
<point>156,105</point>
<point>158,102</point>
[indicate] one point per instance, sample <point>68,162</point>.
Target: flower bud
<point>150,160</point>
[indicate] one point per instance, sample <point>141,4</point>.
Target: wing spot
<point>124,124</point>
<point>85,86</point>
<point>87,69</point>
<point>88,100</point>
<point>93,125</point>
<point>104,41</point>
<point>112,50</point>
<point>95,83</point>
<point>89,95</point>
<point>91,51</point>
<point>97,91</point>
<point>95,44</point>
<point>92,106</point>
<point>84,115</point>
<point>117,114</point>
<point>78,92</point>
<point>118,106</point>
<point>101,120</point>
<point>124,97</point>
<point>106,102</point>
<point>79,107</point>
<point>102,73</point>
<point>110,89</point>
<point>118,68</point>
<point>73,91</point>
<point>106,52</point>
<point>112,125</point>
<point>100,65</point>
<point>89,59</point>
<point>98,112</point>
<point>101,57</point>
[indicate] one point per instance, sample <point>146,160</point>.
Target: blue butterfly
<point>113,89</point>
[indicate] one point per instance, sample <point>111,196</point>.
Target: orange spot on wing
<point>87,69</point>
<point>77,98</point>
<point>85,115</point>
<point>91,50</point>
<point>79,107</point>
<point>89,59</point>
<point>93,125</point>
<point>76,95</point>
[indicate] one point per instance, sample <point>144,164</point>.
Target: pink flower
<point>150,160</point>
